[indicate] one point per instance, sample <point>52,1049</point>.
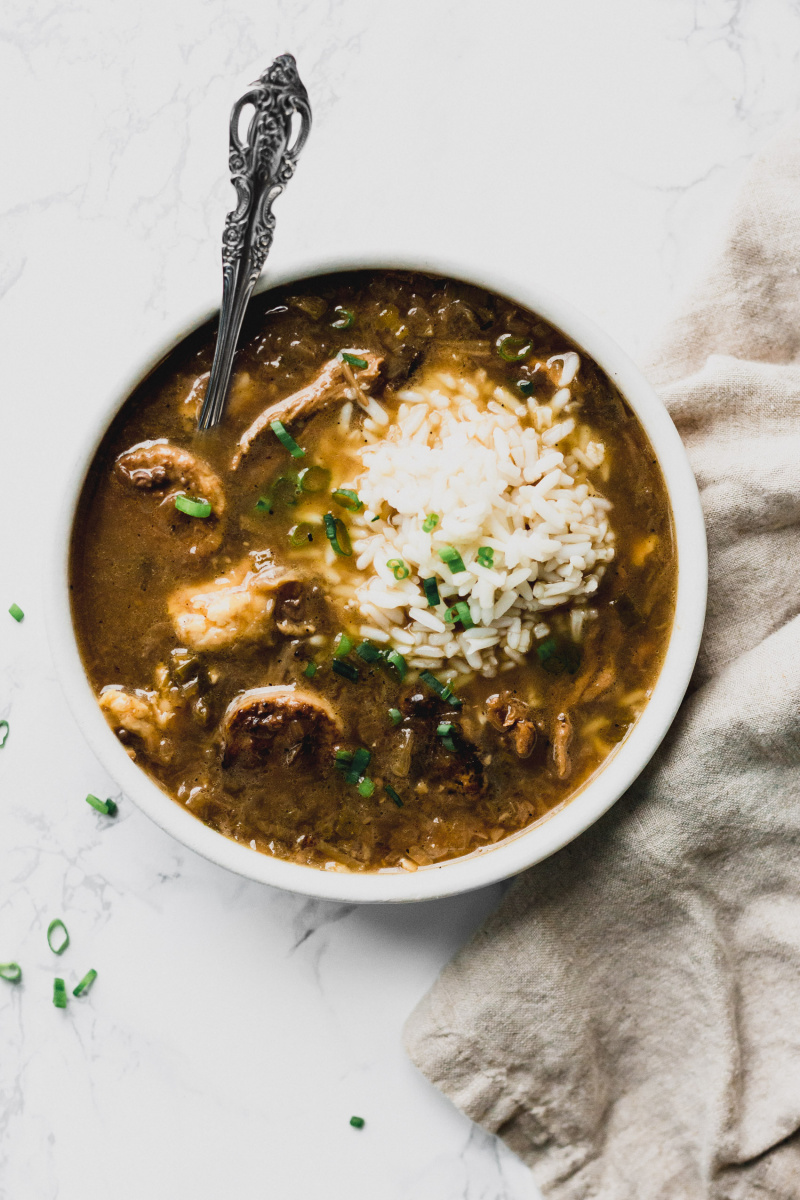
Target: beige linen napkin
<point>629,1020</point>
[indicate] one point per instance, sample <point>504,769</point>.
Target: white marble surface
<point>233,1030</point>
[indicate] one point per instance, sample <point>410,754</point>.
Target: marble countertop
<point>233,1030</point>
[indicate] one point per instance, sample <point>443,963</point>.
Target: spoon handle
<point>261,165</point>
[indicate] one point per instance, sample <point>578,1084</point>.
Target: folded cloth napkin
<point>629,1020</point>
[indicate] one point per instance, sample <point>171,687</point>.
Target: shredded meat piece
<point>561,737</point>
<point>158,466</point>
<point>512,716</point>
<point>237,607</point>
<point>330,385</point>
<point>277,721</point>
<point>147,715</point>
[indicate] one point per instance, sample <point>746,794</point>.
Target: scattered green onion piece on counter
<point>11,972</point>
<point>392,794</point>
<point>395,715</point>
<point>442,690</point>
<point>193,508</point>
<point>486,557</point>
<point>52,928</point>
<point>398,568</point>
<point>4,731</point>
<point>107,807</point>
<point>348,499</point>
<point>358,765</point>
<point>393,658</point>
<point>16,612</point>
<point>286,439</point>
<point>430,522</point>
<point>445,732</point>
<point>59,993</point>
<point>301,535</point>
<point>313,479</point>
<point>460,612</point>
<point>525,386</point>
<point>345,669</point>
<point>342,645</point>
<point>353,360</point>
<point>431,590</point>
<point>513,349</point>
<point>357,1122</point>
<point>449,555</point>
<point>368,651</point>
<point>337,535</point>
<point>345,318</point>
<point>366,788</point>
<point>310,670</point>
<point>81,988</point>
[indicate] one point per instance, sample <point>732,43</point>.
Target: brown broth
<point>130,553</point>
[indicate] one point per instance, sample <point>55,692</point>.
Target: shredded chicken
<point>562,736</point>
<point>332,383</point>
<point>160,466</point>
<point>237,607</point>
<point>148,715</point>
<point>512,716</point>
<point>278,721</point>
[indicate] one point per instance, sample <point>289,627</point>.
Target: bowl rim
<point>552,832</point>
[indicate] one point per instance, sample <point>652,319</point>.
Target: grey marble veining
<point>233,1030</point>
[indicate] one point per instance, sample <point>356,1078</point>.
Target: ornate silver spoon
<point>261,165</point>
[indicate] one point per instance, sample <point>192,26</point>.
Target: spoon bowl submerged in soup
<point>409,597</point>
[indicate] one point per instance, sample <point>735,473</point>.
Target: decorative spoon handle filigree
<point>261,165</point>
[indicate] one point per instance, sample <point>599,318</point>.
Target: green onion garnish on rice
<point>486,557</point>
<point>286,439</point>
<point>460,612</point>
<point>358,765</point>
<point>57,926</point>
<point>431,590</point>
<point>82,988</point>
<point>337,535</point>
<point>450,556</point>
<point>430,522</point>
<point>398,568</point>
<point>16,612</point>
<point>193,508</point>
<point>394,659</point>
<point>310,670</point>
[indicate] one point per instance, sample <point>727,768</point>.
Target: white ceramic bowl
<point>523,849</point>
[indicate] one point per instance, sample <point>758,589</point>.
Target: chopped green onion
<point>513,349</point>
<point>193,508</point>
<point>460,612</point>
<point>310,670</point>
<point>353,360</point>
<point>486,557</point>
<point>342,645</point>
<point>375,518</point>
<point>313,479</point>
<point>11,972</point>
<point>398,568</point>
<point>345,318</point>
<point>394,659</point>
<point>345,669</point>
<point>348,499</point>
<point>286,439</point>
<point>263,504</point>
<point>52,928</point>
<point>359,764</point>
<point>445,732</point>
<point>301,535</point>
<point>59,993</point>
<point>449,555</point>
<point>525,386</point>
<point>395,715</point>
<point>283,492</point>
<point>366,788</point>
<point>443,691</point>
<point>392,794</point>
<point>339,538</point>
<point>368,651</point>
<point>343,759</point>
<point>445,728</point>
<point>430,522</point>
<point>357,1122</point>
<point>16,612</point>
<point>4,730</point>
<point>431,590</point>
<point>81,988</point>
<point>107,807</point>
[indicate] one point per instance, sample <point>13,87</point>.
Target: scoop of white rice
<point>495,473</point>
